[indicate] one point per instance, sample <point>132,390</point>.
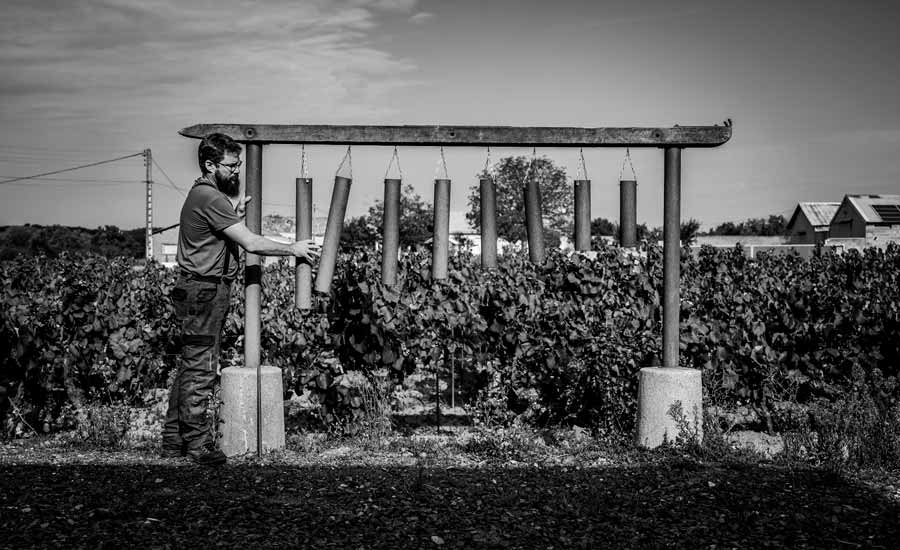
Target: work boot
<point>174,452</point>
<point>209,455</point>
<point>170,450</point>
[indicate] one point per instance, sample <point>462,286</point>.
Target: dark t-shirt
<point>201,243</point>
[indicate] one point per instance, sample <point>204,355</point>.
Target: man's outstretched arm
<point>307,249</point>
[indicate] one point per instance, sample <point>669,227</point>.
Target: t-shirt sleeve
<point>220,213</point>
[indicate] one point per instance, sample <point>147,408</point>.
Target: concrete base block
<point>660,388</point>
<point>238,411</point>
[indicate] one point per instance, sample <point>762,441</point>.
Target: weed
<point>851,433</point>
<point>515,443</point>
<point>103,426</point>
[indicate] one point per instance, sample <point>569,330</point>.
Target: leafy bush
<point>557,343</point>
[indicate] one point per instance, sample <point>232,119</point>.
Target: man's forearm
<point>267,247</point>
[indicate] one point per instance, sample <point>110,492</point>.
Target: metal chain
<point>530,165</point>
<point>304,162</point>
<point>627,159</point>
<point>442,162</point>
<point>349,160</point>
<point>396,157</point>
<point>581,171</point>
<point>487,162</point>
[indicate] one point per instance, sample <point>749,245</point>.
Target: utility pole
<point>148,162</point>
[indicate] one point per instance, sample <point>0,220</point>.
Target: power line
<point>164,229</point>
<point>62,183</point>
<point>55,150</point>
<point>77,180</point>
<point>172,183</point>
<point>70,169</point>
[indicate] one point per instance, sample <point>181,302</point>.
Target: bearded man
<point>210,234</point>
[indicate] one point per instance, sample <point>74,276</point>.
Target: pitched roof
<point>819,214</point>
<point>864,204</point>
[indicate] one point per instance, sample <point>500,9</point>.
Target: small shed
<point>165,245</point>
<point>875,218</point>
<point>810,222</point>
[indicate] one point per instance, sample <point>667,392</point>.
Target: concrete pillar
<point>239,414</point>
<point>660,388</point>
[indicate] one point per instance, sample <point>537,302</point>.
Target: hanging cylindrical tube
<point>391,231</point>
<point>488,223</point>
<point>628,213</point>
<point>582,214</point>
<point>303,270</point>
<point>440,250</point>
<point>671,255</point>
<point>340,194</point>
<point>534,225</point>
<point>253,267</point>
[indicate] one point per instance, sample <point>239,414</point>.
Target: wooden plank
<point>676,136</point>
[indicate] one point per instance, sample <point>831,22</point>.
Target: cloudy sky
<point>812,88</point>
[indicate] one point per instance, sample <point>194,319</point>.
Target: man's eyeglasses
<point>233,167</point>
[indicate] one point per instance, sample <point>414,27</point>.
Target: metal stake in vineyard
<point>659,388</point>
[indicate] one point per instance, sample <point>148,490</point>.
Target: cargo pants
<point>201,308</point>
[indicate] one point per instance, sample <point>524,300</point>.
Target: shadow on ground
<point>673,504</point>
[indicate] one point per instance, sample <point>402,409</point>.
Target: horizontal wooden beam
<point>676,136</point>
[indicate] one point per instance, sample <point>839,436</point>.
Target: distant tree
<point>602,226</point>
<point>771,226</point>
<point>689,230</point>
<point>645,234</point>
<point>416,222</point>
<point>358,232</point>
<point>509,178</point>
<point>52,240</point>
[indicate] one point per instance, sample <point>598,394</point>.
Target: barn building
<point>810,222</point>
<point>873,220</point>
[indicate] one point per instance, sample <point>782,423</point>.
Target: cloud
<point>421,17</point>
<point>136,58</point>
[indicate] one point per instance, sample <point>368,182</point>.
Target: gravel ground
<point>53,497</point>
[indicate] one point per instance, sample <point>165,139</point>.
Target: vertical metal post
<point>253,279</point>
<point>628,213</point>
<point>390,231</point>
<point>534,225</point>
<point>488,223</point>
<point>340,194</point>
<point>253,269</point>
<point>671,255</point>
<point>453,381</point>
<point>582,214</point>
<point>302,270</point>
<point>441,239</point>
<point>148,161</point>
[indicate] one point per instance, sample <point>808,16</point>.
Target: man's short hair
<point>213,147</point>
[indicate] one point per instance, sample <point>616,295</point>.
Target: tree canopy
<point>509,178</point>
<point>774,225</point>
<point>416,222</point>
<point>109,241</point>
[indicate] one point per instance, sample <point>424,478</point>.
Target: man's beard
<point>231,185</point>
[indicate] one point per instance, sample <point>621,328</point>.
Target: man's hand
<point>306,250</point>
<point>241,207</point>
